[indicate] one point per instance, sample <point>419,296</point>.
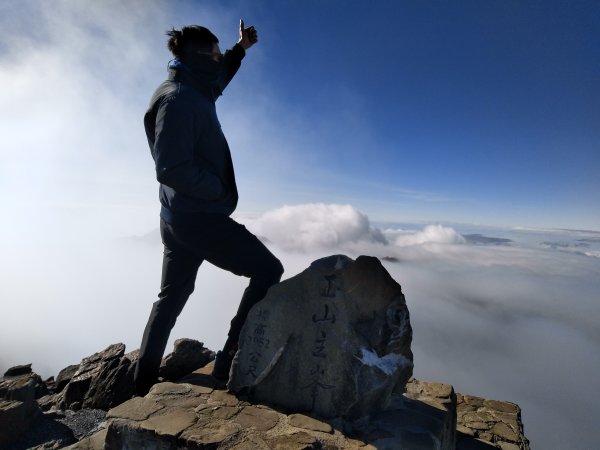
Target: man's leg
<point>232,247</point>
<point>179,270</point>
<point>267,272</point>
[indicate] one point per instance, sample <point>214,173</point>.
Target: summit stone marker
<point>331,341</point>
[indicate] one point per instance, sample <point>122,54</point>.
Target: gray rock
<point>480,420</point>
<point>26,387</point>
<point>19,390</point>
<point>15,418</point>
<point>18,370</point>
<point>64,376</point>
<point>113,385</point>
<point>47,402</point>
<point>332,341</point>
<point>50,385</point>
<point>92,366</point>
<point>75,406</point>
<point>188,355</point>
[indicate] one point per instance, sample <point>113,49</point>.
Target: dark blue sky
<point>490,105</point>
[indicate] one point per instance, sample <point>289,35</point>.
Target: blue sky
<point>487,109</point>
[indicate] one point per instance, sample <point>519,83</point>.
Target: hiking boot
<point>222,365</point>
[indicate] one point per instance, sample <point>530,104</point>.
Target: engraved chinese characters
<point>258,340</point>
<point>317,371</point>
<point>333,340</point>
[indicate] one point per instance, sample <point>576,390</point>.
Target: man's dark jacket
<point>193,161</point>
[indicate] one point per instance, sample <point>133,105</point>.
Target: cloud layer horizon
<point>510,315</point>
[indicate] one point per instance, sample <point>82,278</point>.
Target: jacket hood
<point>203,78</point>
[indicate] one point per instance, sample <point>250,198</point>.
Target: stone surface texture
<point>89,370</point>
<point>495,422</point>
<point>211,418</point>
<point>15,418</point>
<point>186,415</point>
<point>187,356</point>
<point>64,376</point>
<point>112,386</point>
<point>339,333</point>
<point>18,370</point>
<point>100,381</point>
<point>19,389</point>
<point>199,415</point>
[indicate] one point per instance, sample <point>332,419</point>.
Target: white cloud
<point>315,226</point>
<point>430,234</point>
<point>342,228</point>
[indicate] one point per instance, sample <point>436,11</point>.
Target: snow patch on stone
<point>387,364</point>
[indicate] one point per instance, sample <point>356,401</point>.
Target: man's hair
<point>191,34</point>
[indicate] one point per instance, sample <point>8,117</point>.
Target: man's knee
<point>276,270</point>
<point>269,272</point>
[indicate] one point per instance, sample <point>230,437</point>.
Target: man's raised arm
<point>232,59</point>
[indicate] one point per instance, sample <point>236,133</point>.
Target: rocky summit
<point>324,363</point>
<point>332,341</point>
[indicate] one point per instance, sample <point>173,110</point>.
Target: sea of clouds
<point>508,314</point>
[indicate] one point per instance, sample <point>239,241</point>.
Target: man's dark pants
<point>224,243</point>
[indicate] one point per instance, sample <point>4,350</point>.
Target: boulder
<point>113,385</point>
<point>18,370</point>
<point>25,387</point>
<point>332,341</point>
<point>64,376</point>
<point>19,389</point>
<point>100,363</point>
<point>188,355</point>
<point>15,418</point>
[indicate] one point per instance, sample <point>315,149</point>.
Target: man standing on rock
<point>198,193</point>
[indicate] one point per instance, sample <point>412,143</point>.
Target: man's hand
<point>248,36</point>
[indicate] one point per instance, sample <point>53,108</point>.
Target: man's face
<point>215,53</point>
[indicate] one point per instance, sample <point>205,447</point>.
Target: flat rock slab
<point>164,419</point>
<point>261,419</point>
<point>309,423</point>
<point>186,415</point>
<point>423,418</point>
<point>332,341</point>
